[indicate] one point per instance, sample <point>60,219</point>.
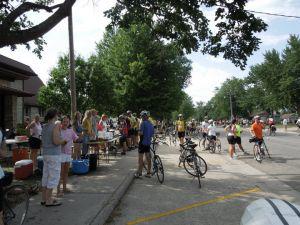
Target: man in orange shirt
<point>257,129</point>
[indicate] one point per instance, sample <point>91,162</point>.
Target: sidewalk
<point>93,196</point>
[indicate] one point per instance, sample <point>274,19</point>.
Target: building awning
<point>12,91</point>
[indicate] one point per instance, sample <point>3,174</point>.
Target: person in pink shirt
<point>68,134</point>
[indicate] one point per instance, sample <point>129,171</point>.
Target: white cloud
<point>269,39</point>
<point>204,81</point>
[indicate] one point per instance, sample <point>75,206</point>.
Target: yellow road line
<point>187,207</point>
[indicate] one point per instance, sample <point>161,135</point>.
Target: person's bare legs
<point>58,191</point>
<point>148,158</point>
<point>124,147</point>
<point>33,157</point>
<point>66,167</point>
<point>44,194</point>
<point>77,151</point>
<point>231,150</point>
<point>141,163</point>
<point>49,199</point>
<point>129,142</point>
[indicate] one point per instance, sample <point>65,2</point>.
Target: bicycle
<point>15,203</point>
<point>157,166</point>
<point>214,145</point>
<point>197,164</point>
<point>259,149</point>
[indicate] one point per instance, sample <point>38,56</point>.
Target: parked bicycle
<point>259,149</point>
<point>157,166</point>
<point>192,162</point>
<point>15,202</point>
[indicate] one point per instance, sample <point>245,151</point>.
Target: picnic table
<point>10,142</point>
<point>109,149</point>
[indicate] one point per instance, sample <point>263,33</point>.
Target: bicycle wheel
<point>160,169</point>
<point>197,171</point>
<point>16,203</point>
<point>188,165</point>
<point>212,147</point>
<point>257,154</point>
<point>218,145</point>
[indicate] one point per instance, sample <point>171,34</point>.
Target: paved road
<point>180,202</point>
<point>285,163</point>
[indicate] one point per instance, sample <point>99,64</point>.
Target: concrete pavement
<point>93,197</point>
<point>148,203</point>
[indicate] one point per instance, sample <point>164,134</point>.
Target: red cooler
<point>23,169</point>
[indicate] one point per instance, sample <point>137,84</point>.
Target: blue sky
<point>208,72</point>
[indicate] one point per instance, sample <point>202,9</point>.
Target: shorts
<point>212,137</point>
<point>122,139</point>
<point>51,171</point>
<point>131,132</point>
<point>231,140</point>
<point>238,140</point>
<point>144,148</point>
<point>34,143</point>
<point>181,134</point>
<point>65,158</point>
<point>204,135</point>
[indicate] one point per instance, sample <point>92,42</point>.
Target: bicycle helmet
<point>144,113</point>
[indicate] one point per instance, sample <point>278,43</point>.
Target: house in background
<point>13,74</point>
<point>31,106</point>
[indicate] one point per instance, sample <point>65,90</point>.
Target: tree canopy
<point>184,23</point>
<point>16,28</point>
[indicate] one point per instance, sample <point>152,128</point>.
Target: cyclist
<point>180,128</point>
<point>146,132</point>
<point>212,136</point>
<point>204,130</point>
<point>257,130</point>
<point>271,124</point>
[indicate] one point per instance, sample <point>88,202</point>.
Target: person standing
<point>285,123</point>
<point>87,131</point>
<point>77,126</point>
<point>180,128</point>
<point>35,129</point>
<point>70,136</point>
<point>238,139</point>
<point>231,138</point>
<point>257,130</point>
<point>52,142</point>
<point>146,132</point>
<point>123,129</point>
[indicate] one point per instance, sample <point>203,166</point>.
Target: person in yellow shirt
<point>180,128</point>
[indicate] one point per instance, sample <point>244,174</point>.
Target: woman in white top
<point>35,129</point>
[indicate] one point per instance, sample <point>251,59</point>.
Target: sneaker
<point>246,153</point>
<point>235,157</point>
<point>148,175</point>
<point>137,175</point>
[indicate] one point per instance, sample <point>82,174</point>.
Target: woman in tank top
<point>35,129</point>
<point>52,142</point>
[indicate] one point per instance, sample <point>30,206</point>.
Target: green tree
<point>16,27</point>
<point>184,23</point>
<point>146,73</point>
<point>187,107</point>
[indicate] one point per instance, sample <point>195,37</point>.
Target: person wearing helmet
<point>146,132</point>
<point>180,128</point>
<point>204,130</point>
<point>212,135</point>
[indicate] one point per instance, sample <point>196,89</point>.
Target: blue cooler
<point>80,166</point>
<point>40,163</point>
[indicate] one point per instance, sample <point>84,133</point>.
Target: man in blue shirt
<point>146,132</point>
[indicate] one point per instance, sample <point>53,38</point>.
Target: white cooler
<point>271,212</point>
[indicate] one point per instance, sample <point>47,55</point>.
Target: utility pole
<point>231,110</point>
<point>72,65</point>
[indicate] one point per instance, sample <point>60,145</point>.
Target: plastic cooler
<point>80,166</point>
<point>23,169</point>
<point>19,154</point>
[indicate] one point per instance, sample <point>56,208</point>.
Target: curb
<point>109,206</point>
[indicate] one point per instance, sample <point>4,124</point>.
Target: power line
<point>273,14</point>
